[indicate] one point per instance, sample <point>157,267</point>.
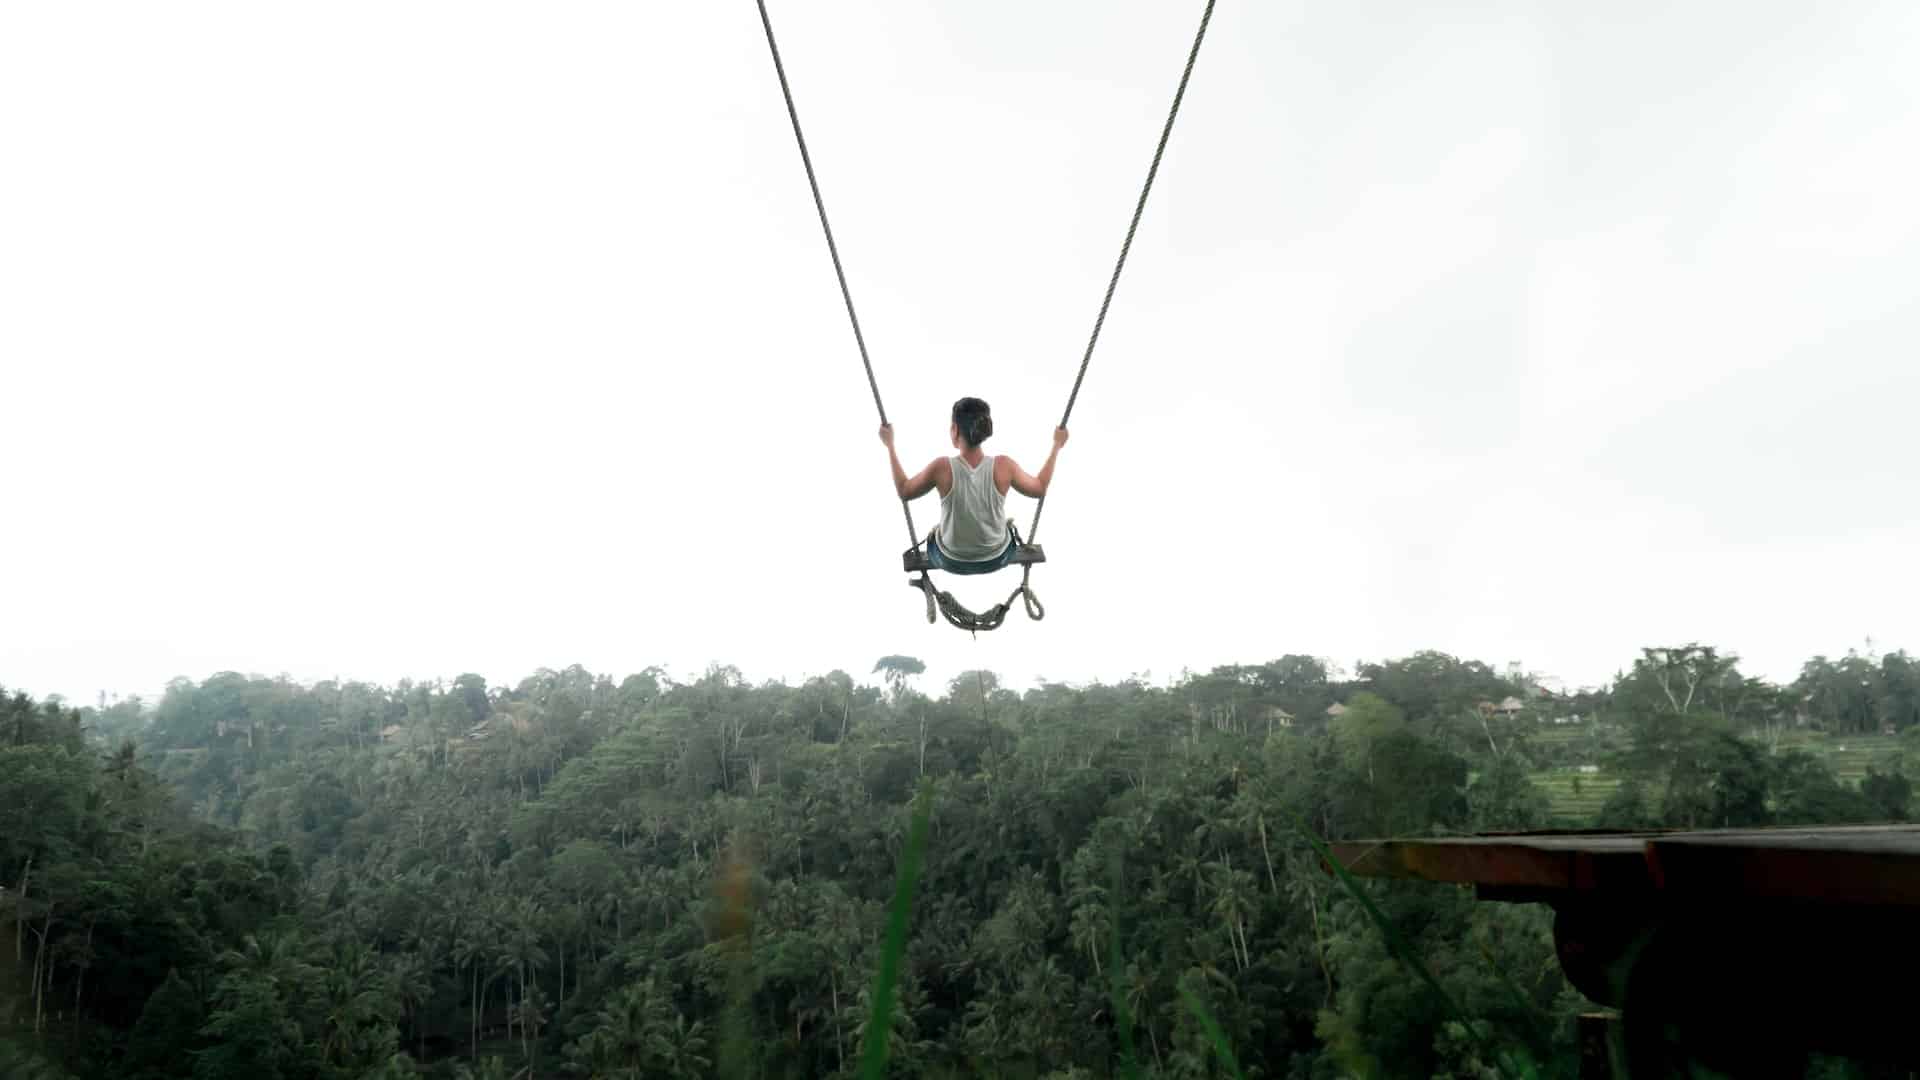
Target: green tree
<point>897,670</point>
<point>1889,794</point>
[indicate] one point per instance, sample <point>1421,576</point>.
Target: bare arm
<point>1035,487</point>
<point>910,487</point>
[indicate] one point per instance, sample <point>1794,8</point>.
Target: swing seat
<point>1017,553</point>
<point>942,603</point>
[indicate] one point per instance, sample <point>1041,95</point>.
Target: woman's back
<point>973,498</point>
<point>973,512</point>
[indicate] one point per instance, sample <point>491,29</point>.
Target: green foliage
<point>169,1027</point>
<point>19,1062</point>
<point>1627,808</point>
<point>897,670</point>
<point>1888,795</point>
<point>1216,1038</point>
<point>1393,1003</point>
<point>874,1058</point>
<point>577,876</point>
<point>43,792</point>
<point>641,1033</point>
<point>1504,799</point>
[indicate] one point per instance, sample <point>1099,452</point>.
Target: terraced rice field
<point>1577,797</point>
<point>1847,755</point>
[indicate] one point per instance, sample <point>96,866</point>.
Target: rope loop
<point>925,585</point>
<point>1035,609</point>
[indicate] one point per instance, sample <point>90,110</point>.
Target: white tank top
<point>973,514</point>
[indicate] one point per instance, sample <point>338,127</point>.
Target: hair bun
<point>974,419</point>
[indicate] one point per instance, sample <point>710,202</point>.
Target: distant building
<point>1336,711</point>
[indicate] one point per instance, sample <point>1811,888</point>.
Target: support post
<point>1597,1032</point>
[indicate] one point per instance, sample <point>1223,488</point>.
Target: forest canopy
<point>583,876</point>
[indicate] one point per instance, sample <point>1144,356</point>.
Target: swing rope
<point>954,612</point>
<point>833,249</point>
<point>1133,226</point>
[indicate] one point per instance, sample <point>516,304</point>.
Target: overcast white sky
<point>384,339</point>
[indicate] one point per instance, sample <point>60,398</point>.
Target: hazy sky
<point>384,339</point>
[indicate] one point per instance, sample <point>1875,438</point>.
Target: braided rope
<point>963,618</point>
<point>833,249</point>
<point>1139,207</point>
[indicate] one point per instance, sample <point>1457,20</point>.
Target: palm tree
<point>531,1014</point>
<point>903,1044</point>
<point>1231,902</point>
<point>682,1048</point>
<point>492,1068</point>
<point>1249,816</point>
<point>397,1067</point>
<point>595,1055</point>
<point>627,1028</point>
<point>1139,998</point>
<point>470,951</point>
<point>350,1001</point>
<point>273,957</point>
<point>571,930</point>
<point>521,952</point>
<point>1202,975</point>
<point>411,981</point>
<point>1044,992</point>
<point>1192,865</point>
<point>1301,876</point>
<point>1089,928</point>
<point>985,1023</point>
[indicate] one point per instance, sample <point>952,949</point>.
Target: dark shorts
<point>940,561</point>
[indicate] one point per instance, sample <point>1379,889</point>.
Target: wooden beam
<point>1876,865</point>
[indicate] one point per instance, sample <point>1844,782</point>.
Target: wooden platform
<point>1742,948</point>
<point>1868,864</point>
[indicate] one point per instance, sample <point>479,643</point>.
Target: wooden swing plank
<point>915,559</point>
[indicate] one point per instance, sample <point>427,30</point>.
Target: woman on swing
<point>974,535</point>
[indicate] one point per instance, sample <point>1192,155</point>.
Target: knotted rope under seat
<point>961,617</point>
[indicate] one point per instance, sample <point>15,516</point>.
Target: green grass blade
<point>736,1044</point>
<point>873,1064</point>
<point>1214,1035</point>
<point>1402,951</point>
<point>1129,1064</point>
<point>1542,1040</point>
